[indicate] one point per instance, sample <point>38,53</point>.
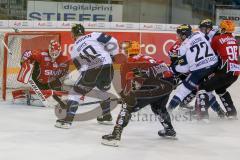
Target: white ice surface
<point>27,133</point>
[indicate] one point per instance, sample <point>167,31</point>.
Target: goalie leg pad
<point>19,94</point>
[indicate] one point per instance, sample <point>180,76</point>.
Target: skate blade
<point>62,126</point>
<point>113,143</point>
<point>105,122</point>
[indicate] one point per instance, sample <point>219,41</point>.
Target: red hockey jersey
<point>45,68</point>
<point>225,45</point>
<point>173,51</point>
<point>139,61</point>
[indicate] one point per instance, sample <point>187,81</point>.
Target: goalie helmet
<point>131,48</point>
<point>184,31</point>
<point>77,30</point>
<point>54,49</point>
<point>227,26</point>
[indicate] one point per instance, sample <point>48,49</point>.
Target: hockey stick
<point>16,30</point>
<point>64,106</point>
<point>96,102</point>
<point>5,45</point>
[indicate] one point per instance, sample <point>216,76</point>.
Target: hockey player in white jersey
<point>206,27</point>
<point>196,57</point>
<point>92,55</point>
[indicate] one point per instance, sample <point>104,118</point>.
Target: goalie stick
<point>5,45</point>
<point>38,92</point>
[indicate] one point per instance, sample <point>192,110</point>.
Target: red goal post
<point>17,43</point>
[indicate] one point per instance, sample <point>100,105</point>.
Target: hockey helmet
<point>184,30</point>
<point>77,30</point>
<point>131,47</point>
<point>227,26</point>
<point>54,49</point>
<point>206,23</point>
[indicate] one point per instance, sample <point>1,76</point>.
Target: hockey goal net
<point>16,44</point>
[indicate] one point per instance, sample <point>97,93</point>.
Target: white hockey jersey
<point>212,33</point>
<point>94,49</point>
<point>195,53</point>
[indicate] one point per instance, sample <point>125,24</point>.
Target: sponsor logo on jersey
<point>234,67</point>
<point>207,60</point>
<point>53,72</point>
<point>232,40</point>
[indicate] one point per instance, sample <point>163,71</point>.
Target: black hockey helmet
<point>78,30</point>
<point>207,23</point>
<point>184,30</point>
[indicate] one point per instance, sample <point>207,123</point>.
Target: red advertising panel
<point>153,44</point>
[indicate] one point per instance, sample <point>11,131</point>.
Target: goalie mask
<point>54,49</point>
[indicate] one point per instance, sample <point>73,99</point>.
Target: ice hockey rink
<point>28,133</point>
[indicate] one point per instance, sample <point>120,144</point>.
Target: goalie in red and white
<point>47,68</point>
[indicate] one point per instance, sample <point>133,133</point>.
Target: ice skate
<point>232,115</point>
<point>114,138</point>
<point>63,124</point>
<point>167,133</point>
<point>221,114</point>
<point>105,119</point>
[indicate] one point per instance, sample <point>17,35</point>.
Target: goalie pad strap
<point>21,93</point>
